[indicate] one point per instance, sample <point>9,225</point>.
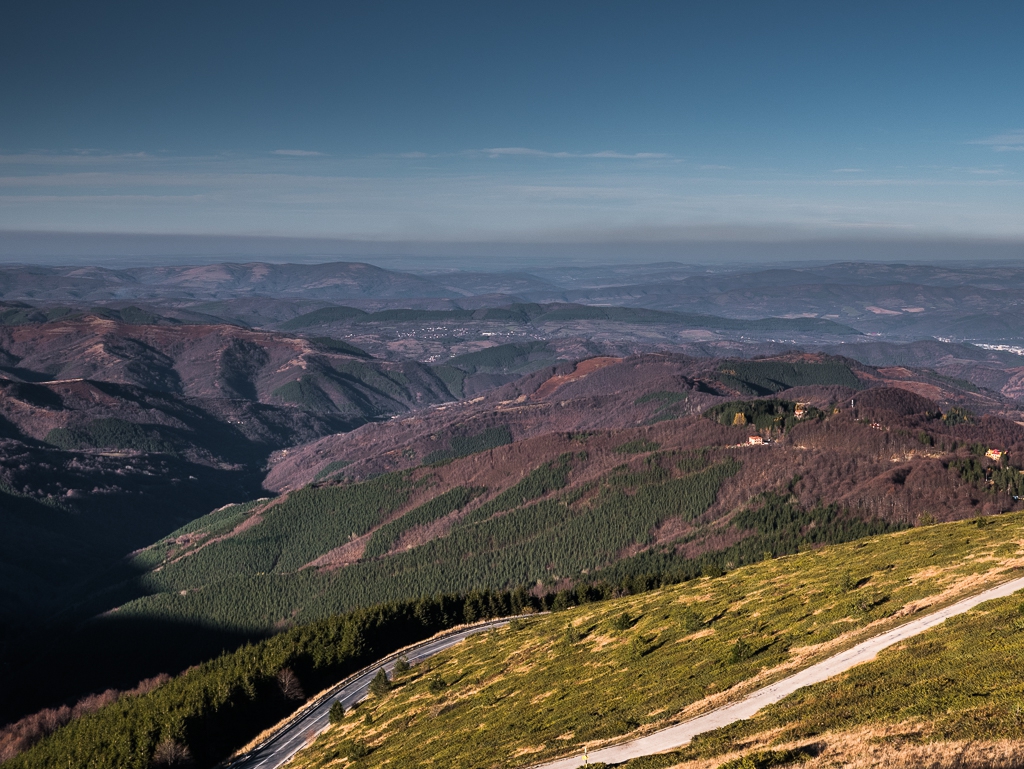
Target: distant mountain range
<point>902,301</point>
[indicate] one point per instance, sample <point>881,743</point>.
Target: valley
<point>368,439</point>
<point>394,385</point>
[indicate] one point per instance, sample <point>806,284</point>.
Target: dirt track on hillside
<point>681,734</point>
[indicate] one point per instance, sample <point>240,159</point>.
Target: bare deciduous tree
<point>290,685</point>
<point>171,753</point>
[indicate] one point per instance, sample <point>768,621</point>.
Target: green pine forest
<point>332,576</point>
<point>536,530</point>
<point>709,626</point>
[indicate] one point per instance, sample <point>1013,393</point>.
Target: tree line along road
<point>277,750</point>
<point>314,719</point>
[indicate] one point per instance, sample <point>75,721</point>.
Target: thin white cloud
<point>585,199</point>
<point>626,156</point>
<point>496,152</point>
<point>847,170</point>
<point>1011,141</point>
<point>91,152</point>
<point>298,153</point>
<point>707,167</point>
<point>75,157</point>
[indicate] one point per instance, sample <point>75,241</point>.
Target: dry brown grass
<point>583,368</point>
<point>341,556</point>
<point>898,746</point>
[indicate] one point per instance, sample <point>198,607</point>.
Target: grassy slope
<point>588,675</point>
<point>959,683</point>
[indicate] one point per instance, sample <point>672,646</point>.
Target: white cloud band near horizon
<point>299,153</point>
<point>1010,141</point>
<point>467,196</point>
<point>495,152</point>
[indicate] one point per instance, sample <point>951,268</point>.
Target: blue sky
<point>514,122</point>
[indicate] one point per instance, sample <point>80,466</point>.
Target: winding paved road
<point>681,734</point>
<point>279,749</point>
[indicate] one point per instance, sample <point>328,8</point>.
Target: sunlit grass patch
<point>595,673</point>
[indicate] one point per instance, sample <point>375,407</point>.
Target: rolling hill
<point>508,495</point>
<point>616,394</point>
<point>114,433</point>
<point>333,281</point>
<point>609,663</point>
<point>559,312</point>
<point>630,471</point>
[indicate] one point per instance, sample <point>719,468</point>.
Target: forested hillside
<point>680,496</point>
<point>604,664</point>
<point>605,393</point>
<point>629,472</point>
<point>216,362</point>
<point>602,672</point>
<point>327,550</point>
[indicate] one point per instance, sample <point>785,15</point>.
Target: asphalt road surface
<point>681,734</point>
<point>280,748</point>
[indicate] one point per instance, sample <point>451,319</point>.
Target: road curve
<point>279,748</point>
<point>681,734</point>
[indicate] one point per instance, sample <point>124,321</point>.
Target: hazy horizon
<point>118,250</point>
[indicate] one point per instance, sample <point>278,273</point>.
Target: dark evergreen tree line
<point>209,711</point>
